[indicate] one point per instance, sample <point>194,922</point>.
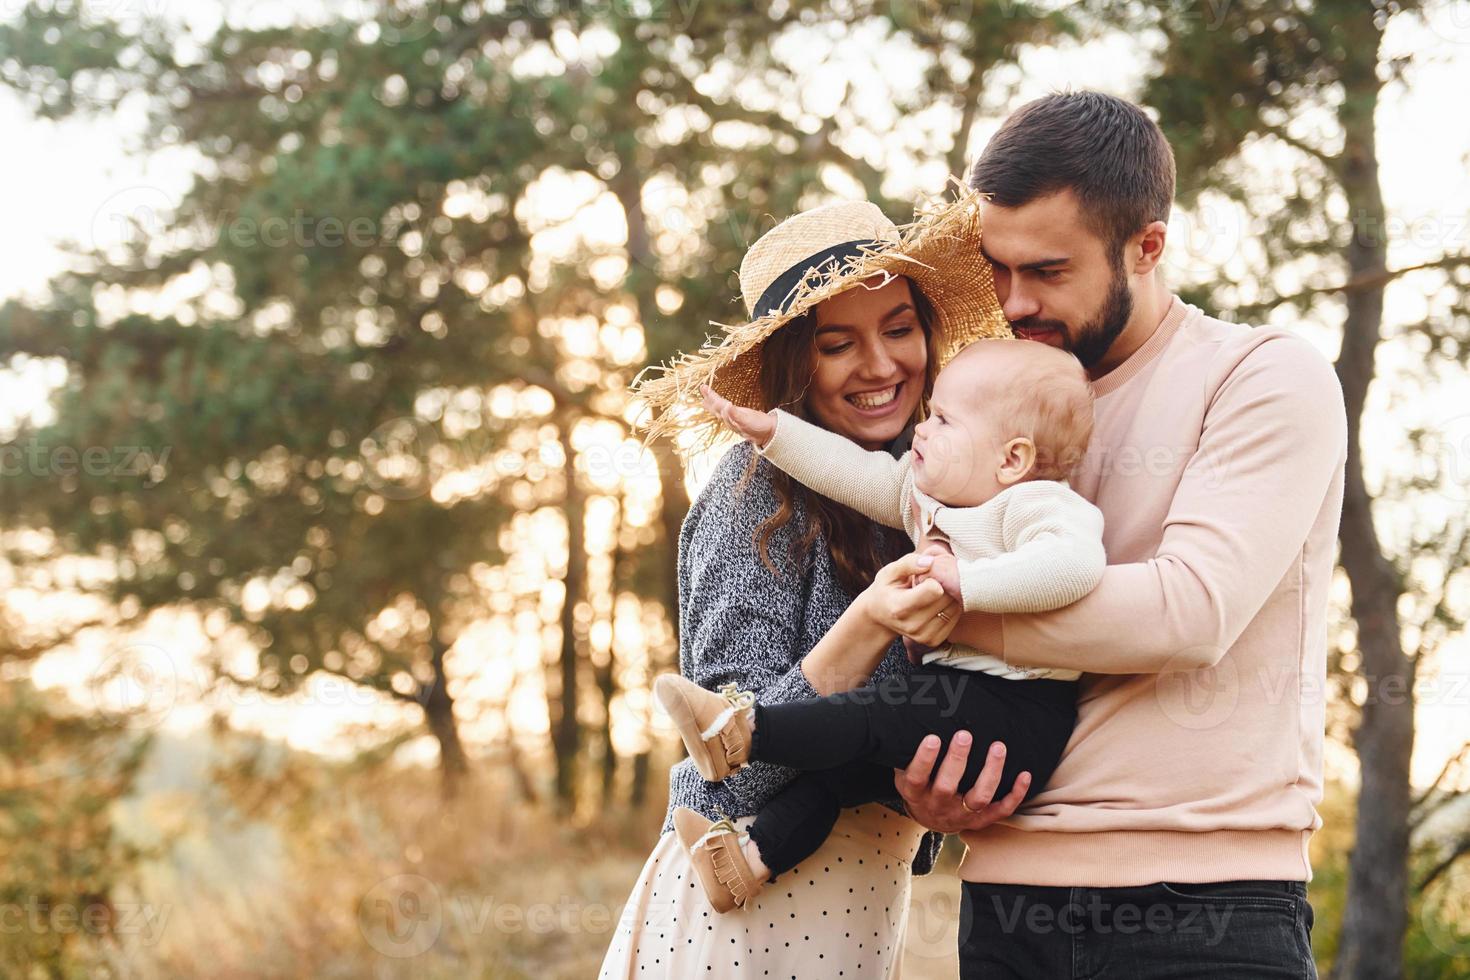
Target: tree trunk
<point>673,506</point>
<point>566,732</point>
<point>439,714</point>
<point>1375,914</point>
<point>969,107</point>
<point>606,674</point>
<point>673,499</point>
<point>642,766</point>
<point>524,783</point>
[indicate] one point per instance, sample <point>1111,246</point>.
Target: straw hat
<point>815,255</point>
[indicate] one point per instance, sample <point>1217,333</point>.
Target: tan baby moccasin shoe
<point>720,865</point>
<point>716,728</point>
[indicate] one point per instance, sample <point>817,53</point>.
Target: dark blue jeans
<point>1165,931</point>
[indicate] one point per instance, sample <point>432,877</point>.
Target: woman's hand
<point>938,805</point>
<point>755,427</point>
<point>893,605</point>
<point>919,610</point>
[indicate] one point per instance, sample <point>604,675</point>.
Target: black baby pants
<point>852,742</point>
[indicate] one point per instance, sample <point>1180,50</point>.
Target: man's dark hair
<point>1105,149</point>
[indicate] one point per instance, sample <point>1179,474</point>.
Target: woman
<point>851,320</point>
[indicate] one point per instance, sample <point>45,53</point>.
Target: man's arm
<point>1272,444</point>
<point>871,483</point>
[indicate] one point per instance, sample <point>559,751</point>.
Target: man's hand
<point>938,805</point>
<point>755,427</point>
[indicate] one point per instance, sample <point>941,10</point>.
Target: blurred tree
<point>305,394</point>
<point>62,768</point>
<point>398,220</point>
<point>1272,114</point>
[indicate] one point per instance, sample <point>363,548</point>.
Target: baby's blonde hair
<point>1047,397</point>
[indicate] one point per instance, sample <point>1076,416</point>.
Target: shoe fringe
<point>731,744</point>
<point>727,871</point>
<point>722,839</point>
<point>724,726</point>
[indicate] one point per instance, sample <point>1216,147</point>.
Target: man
<point>1172,840</point>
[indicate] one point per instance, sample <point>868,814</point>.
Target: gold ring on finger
<point>943,615</point>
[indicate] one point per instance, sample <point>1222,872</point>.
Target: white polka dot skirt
<point>840,913</point>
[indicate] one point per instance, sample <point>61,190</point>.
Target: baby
<point>985,479</point>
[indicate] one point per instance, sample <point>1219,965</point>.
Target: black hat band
<point>780,294</point>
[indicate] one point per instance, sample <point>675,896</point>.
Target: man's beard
<point>1093,338</point>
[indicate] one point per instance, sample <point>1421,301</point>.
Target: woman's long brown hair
<point>858,546</point>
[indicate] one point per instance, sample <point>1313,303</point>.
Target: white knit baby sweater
<point>1033,547</point>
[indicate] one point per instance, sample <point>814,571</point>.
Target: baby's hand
<point>753,426</point>
<point>945,571</point>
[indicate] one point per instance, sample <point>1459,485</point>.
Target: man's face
<point>1054,278</point>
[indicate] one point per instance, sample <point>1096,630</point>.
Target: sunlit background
<point>359,596</point>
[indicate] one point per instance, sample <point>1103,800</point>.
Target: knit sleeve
<point>1053,553</point>
<point>739,620</point>
<point>871,483</point>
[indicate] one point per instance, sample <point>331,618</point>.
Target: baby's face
<point>958,448</point>
<point>998,408</point>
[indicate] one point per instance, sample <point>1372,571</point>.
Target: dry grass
<point>372,875</point>
<point>376,877</point>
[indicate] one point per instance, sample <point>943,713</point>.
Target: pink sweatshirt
<point>1217,461</point>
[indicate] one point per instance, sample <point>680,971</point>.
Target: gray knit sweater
<point>739,622</point>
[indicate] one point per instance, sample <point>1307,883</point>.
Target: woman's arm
<point>740,623</point>
<point>738,619</point>
<point>850,651</point>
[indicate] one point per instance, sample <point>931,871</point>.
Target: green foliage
<point>1436,941</point>
<point>375,244</point>
<point>60,858</point>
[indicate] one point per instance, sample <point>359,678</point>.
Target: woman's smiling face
<point>871,356</point>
